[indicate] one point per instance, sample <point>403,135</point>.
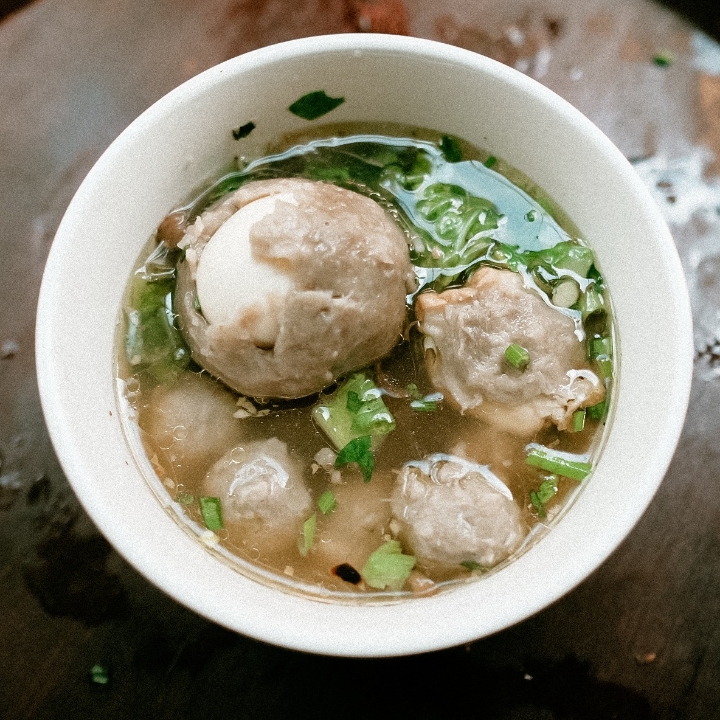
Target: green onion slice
<point>211,511</point>
<point>517,356</point>
<point>557,462</point>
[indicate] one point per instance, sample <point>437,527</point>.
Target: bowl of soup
<point>364,345</point>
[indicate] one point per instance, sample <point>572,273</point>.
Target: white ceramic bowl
<point>183,140</point>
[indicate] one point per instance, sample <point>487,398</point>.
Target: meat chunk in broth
<point>288,284</point>
<point>189,425</point>
<point>262,492</point>
<point>471,327</point>
<point>452,511</point>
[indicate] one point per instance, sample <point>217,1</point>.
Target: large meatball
<point>470,328</point>
<point>453,511</point>
<point>288,284</point>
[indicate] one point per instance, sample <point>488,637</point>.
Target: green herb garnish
<point>517,356</point>
<point>327,502</point>
<point>557,462</point>
<point>578,420</point>
<point>423,403</point>
<point>387,567</point>
<point>355,409</point>
<point>450,149</point>
<point>243,131</point>
<point>547,490</point>
<point>490,161</point>
<point>152,342</point>
<point>185,498</point>
<point>307,536</point>
<point>664,59</point>
<point>471,565</point>
<point>99,674</point>
<point>315,105</point>
<point>358,451</point>
<point>211,511</point>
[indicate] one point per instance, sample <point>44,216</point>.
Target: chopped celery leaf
<point>307,536</point>
<point>152,342</point>
<point>327,502</point>
<point>358,451</point>
<point>315,105</point>
<point>557,462</point>
<point>211,511</point>
<point>461,222</point>
<point>450,148</point>
<point>355,409</point>
<point>387,567</point>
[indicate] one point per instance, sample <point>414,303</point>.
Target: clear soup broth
<point>434,463</point>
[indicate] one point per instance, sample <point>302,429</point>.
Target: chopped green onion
<point>307,536</point>
<point>490,161</point>
<point>99,674</point>
<point>358,451</point>
<point>531,216</point>
<point>599,411</point>
<point>211,511</point>
<point>327,502</point>
<point>578,420</point>
<point>517,356</point>
<point>547,490</point>
<point>423,403</point>
<point>535,500</point>
<point>556,462</point>
<point>601,346</point>
<point>565,293</point>
<point>387,567</point>
<point>315,105</point>
<point>591,301</point>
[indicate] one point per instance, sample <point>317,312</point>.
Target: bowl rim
<point>280,618</point>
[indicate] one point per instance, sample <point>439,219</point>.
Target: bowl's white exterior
<point>183,140</point>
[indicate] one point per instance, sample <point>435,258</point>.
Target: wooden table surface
<point>640,638</point>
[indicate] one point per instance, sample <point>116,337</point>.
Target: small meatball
<point>189,425</point>
<point>356,527</point>
<point>288,284</point>
<point>469,329</point>
<point>261,488</point>
<point>453,511</point>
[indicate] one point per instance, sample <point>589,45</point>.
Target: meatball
<point>288,284</point>
<point>260,486</point>
<point>453,511</point>
<point>189,425</point>
<point>469,329</point>
<point>357,526</point>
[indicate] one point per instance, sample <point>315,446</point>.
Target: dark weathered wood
<point>640,638</point>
